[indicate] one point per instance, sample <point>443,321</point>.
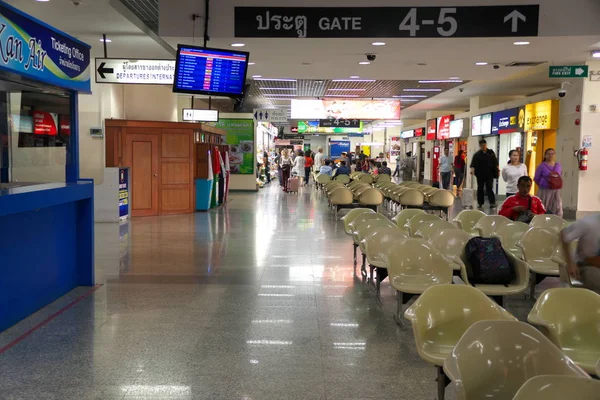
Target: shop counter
<point>46,245</point>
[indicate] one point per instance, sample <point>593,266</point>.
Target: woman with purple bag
<point>548,177</point>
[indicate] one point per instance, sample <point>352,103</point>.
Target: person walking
<point>548,177</point>
<point>407,168</point>
<point>584,265</point>
<point>445,169</point>
<point>512,172</point>
<point>278,164</point>
<point>459,170</point>
<point>484,166</point>
<point>308,164</point>
<point>286,168</point>
<point>267,166</point>
<point>397,169</point>
<point>318,160</point>
<point>298,169</point>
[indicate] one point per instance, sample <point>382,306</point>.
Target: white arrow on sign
<point>579,71</point>
<point>514,17</point>
<point>133,71</point>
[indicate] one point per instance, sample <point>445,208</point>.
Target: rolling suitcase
<point>293,185</point>
<point>469,198</point>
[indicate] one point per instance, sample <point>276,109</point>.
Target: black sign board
<point>339,123</point>
<point>292,136</point>
<point>383,22</point>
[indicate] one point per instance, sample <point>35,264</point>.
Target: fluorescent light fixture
<point>280,94</point>
<point>107,40</point>
<point>354,77</point>
<point>353,80</point>
<point>481,63</point>
<point>277,286</point>
<point>251,63</point>
<point>596,54</point>
<point>350,90</point>
<point>275,295</point>
<point>257,76</point>
<point>158,391</point>
<point>454,77</point>
<point>343,325</point>
<point>281,99</point>
<point>277,88</point>
<point>272,321</point>
<point>277,79</point>
<point>422,90</point>
<point>402,96</point>
<point>237,44</point>
<point>364,62</point>
<point>443,81</point>
<point>42,1</point>
<point>341,95</point>
<point>269,342</point>
<point>522,43</point>
<point>378,43</point>
<point>403,100</point>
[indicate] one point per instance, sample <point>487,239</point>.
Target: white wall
<point>150,103</point>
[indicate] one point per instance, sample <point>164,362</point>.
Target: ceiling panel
<point>146,10</point>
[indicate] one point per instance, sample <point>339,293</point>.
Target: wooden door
<point>142,158</point>
<point>177,171</point>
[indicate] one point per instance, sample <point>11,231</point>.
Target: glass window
<point>35,130</point>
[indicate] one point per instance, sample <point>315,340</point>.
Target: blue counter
<point>46,246</point>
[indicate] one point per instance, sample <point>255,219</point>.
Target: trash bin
<point>204,188</point>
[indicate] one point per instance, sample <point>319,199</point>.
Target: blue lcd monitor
<point>200,70</point>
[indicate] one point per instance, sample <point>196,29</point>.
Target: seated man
<point>522,206</point>
<point>586,265</point>
<point>342,169</point>
<point>384,170</point>
<point>326,169</point>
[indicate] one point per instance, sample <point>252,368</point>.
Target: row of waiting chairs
<point>355,194</point>
<point>417,266</point>
<point>414,195</point>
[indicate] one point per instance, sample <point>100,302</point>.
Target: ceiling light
<point>354,77</point>
<point>378,43</point>
<point>481,63</point>
<point>411,95</point>
<point>275,79</point>
<point>596,54</point>
<point>454,77</point>
<point>443,81</point>
<point>273,98</point>
<point>237,44</point>
<point>257,76</point>
<point>281,94</point>
<point>409,100</point>
<point>42,1</point>
<point>353,80</point>
<point>276,88</point>
<point>364,62</point>
<point>422,90</point>
<point>342,95</point>
<point>521,43</point>
<point>107,40</point>
<point>251,63</point>
<point>349,90</point>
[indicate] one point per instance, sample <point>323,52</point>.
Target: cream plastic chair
<point>322,179</point>
<point>384,178</point>
<point>342,178</point>
<point>411,198</point>
<point>560,258</point>
<point>493,359</point>
<point>509,235</point>
<point>538,247</point>
<point>467,219</point>
<point>404,216</point>
<point>362,232</point>
<point>548,222</point>
<point>371,198</point>
<point>441,200</point>
<point>428,190</point>
<point>341,197</point>
<point>487,225</point>
<point>431,228</point>
<point>377,244</point>
<point>570,318</point>
<point>413,267</point>
<point>348,218</point>
<point>451,243</point>
<point>367,178</point>
<point>559,387</point>
<point>441,315</point>
<point>415,223</point>
<point>358,221</point>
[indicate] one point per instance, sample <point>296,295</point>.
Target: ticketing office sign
<point>373,22</point>
<point>33,49</point>
<point>133,71</point>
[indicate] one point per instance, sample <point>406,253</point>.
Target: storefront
<point>433,154</point>
<point>417,146</point>
<point>510,127</point>
<point>541,123</point>
<point>46,210</point>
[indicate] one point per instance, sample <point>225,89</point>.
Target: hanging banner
<point>392,22</point>
<point>33,49</point>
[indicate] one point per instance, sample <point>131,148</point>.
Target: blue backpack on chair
<point>488,263</point>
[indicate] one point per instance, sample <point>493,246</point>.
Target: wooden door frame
<point>128,160</point>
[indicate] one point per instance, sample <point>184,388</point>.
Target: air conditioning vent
<point>525,63</point>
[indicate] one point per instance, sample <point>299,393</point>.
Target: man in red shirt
<point>522,201</point>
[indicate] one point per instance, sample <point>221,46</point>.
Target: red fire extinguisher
<point>583,159</point>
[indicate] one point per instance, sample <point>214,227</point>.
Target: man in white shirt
<point>318,160</point>
<point>586,264</point>
<point>446,169</point>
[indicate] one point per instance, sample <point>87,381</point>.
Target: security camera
<point>76,2</point>
<point>461,89</point>
<point>496,66</point>
<point>562,93</point>
<point>371,57</point>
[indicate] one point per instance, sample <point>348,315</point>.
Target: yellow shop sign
<point>541,116</point>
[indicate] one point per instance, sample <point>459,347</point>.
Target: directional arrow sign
<point>139,72</point>
<point>514,17</point>
<point>568,71</point>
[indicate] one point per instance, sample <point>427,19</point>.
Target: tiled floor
<point>255,300</point>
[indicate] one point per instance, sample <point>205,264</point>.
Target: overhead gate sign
<point>388,22</point>
<point>139,72</point>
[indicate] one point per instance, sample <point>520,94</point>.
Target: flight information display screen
<point>200,70</point>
